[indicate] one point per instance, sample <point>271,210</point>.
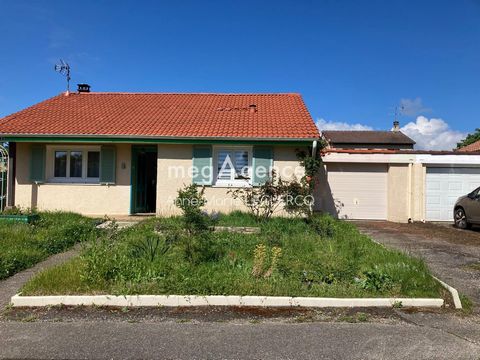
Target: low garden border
<point>219,300</point>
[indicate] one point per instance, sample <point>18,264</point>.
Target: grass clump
<point>23,245</point>
<point>290,257</point>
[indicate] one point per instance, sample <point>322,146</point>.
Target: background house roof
<point>472,147</point>
<point>367,137</point>
<point>260,116</point>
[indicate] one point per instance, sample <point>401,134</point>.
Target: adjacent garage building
<point>383,178</point>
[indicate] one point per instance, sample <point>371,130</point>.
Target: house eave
<point>56,138</point>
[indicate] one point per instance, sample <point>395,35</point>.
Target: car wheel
<point>461,219</point>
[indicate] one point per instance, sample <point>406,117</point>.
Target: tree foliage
<point>470,139</point>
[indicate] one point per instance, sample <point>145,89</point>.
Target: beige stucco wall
<point>398,196</point>
<point>419,172</point>
<point>180,157</point>
<point>406,192</point>
<point>406,185</point>
<point>89,199</point>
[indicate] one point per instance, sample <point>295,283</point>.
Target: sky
<point>354,62</point>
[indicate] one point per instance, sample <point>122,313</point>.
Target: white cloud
<point>432,134</point>
<point>413,107</point>
<point>323,124</point>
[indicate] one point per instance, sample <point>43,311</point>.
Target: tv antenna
<point>398,111</point>
<point>64,69</point>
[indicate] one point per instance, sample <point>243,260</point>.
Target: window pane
<point>241,164</point>
<point>93,166</point>
<point>224,165</point>
<point>75,164</point>
<point>60,168</point>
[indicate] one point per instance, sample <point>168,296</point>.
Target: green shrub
<point>201,248</point>
<point>191,201</point>
<point>262,201</point>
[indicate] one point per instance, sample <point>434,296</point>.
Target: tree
<point>470,139</point>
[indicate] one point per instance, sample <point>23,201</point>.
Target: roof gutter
<point>147,139</point>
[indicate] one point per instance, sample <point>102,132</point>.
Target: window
<point>76,165</point>
<point>93,165</point>
<point>60,164</point>
<point>233,166</point>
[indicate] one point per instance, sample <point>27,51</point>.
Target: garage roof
<point>367,137</point>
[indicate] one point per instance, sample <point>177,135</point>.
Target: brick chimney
<point>83,88</point>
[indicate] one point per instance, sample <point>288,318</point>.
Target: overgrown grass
<point>23,245</point>
<point>237,218</point>
<point>325,257</point>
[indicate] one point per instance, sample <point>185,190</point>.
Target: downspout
<point>314,148</point>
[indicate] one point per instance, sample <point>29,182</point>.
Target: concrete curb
<point>218,300</point>
<point>456,299</point>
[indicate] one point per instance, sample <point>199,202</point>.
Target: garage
<point>359,191</point>
<point>444,185</point>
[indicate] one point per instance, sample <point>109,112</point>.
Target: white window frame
<point>73,180</point>
<point>232,182</point>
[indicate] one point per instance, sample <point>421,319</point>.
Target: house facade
<point>123,153</point>
<point>129,153</point>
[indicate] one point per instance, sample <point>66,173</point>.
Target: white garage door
<point>359,190</point>
<point>444,186</point>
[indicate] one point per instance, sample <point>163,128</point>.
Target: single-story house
<point>377,175</point>
<point>128,153</point>
<point>125,153</point>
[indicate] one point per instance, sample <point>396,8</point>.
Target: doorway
<point>144,179</point>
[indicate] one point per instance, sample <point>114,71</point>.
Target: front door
<point>144,179</point>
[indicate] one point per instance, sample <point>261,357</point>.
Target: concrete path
<point>11,285</point>
<point>110,340</point>
<point>453,255</point>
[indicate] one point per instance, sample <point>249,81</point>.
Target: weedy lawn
<point>23,245</point>
<point>290,257</point>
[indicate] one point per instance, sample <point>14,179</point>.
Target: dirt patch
<point>202,314</point>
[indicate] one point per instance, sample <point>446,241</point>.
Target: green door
<point>144,179</point>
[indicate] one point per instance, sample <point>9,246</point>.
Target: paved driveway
<point>453,255</point>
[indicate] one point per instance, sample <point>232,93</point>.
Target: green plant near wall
<point>264,200</point>
<point>310,163</point>
<point>191,200</point>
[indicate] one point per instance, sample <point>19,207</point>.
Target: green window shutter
<point>262,164</point>
<point>202,165</point>
<point>107,164</point>
<point>37,163</point>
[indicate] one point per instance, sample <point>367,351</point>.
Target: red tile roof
<point>277,116</point>
<point>472,147</point>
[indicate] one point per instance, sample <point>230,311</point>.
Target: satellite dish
<point>64,69</point>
